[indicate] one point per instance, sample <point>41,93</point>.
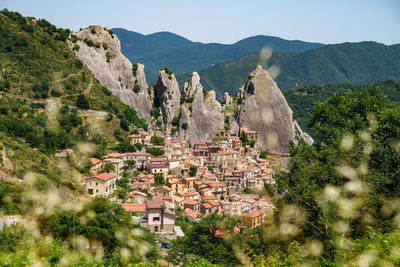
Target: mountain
<point>355,63</point>
<point>165,49</point>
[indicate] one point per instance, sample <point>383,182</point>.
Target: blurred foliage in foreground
<point>338,201</point>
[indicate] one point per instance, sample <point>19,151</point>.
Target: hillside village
<point>205,178</point>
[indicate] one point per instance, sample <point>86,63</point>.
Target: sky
<point>228,21</point>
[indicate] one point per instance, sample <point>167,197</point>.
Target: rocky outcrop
<point>227,99</point>
<point>100,51</point>
<point>263,108</point>
<point>202,113</point>
<point>167,96</point>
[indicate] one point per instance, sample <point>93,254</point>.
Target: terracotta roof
<point>95,161</point>
<point>113,155</point>
<point>210,197</point>
<point>134,207</point>
<point>138,193</point>
<point>191,202</point>
<point>169,199</point>
<point>207,205</point>
<point>165,188</point>
<point>214,203</point>
<point>134,136</point>
<point>155,204</point>
<point>104,176</point>
<point>157,166</point>
<point>253,214</point>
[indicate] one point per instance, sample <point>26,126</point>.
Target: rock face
<point>227,99</point>
<point>167,96</point>
<point>206,118</point>
<point>112,69</point>
<point>263,108</point>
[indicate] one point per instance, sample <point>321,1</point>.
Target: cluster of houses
<point>222,171</point>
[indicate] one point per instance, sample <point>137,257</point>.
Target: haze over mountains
<point>224,66</point>
<point>165,49</point>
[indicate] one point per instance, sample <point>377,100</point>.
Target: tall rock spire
<point>263,108</point>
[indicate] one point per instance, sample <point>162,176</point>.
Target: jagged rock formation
<point>167,96</point>
<point>264,109</point>
<point>205,119</point>
<point>227,99</point>
<point>100,51</point>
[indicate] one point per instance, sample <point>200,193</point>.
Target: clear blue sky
<point>227,21</point>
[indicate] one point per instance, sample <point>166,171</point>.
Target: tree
<point>159,180</point>
<point>157,140</point>
<point>184,125</point>
<point>131,163</point>
<point>109,167</point>
<point>192,171</point>
<point>155,151</point>
<point>82,102</point>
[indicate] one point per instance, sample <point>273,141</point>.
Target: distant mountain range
<point>354,63</point>
<point>165,49</point>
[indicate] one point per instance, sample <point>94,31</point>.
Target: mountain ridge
<point>340,63</point>
<point>182,55</point>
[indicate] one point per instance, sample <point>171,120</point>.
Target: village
<point>209,177</point>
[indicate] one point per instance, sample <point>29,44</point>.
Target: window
<point>155,228</point>
<point>97,190</point>
<point>97,183</point>
<point>90,191</point>
<point>156,219</point>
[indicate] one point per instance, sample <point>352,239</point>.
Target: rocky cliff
<point>201,112</point>
<point>167,96</point>
<point>264,109</point>
<point>100,50</point>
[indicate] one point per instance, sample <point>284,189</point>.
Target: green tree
<point>192,171</point>
<point>159,180</point>
<point>82,102</point>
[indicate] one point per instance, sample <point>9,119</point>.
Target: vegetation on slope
<point>49,101</point>
<point>355,63</point>
<point>302,100</point>
<point>162,49</point>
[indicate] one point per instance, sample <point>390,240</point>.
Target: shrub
<point>78,63</point>
<point>134,69</point>
<point>93,31</point>
<point>76,47</point>
<point>105,46</point>
<point>136,88</point>
<point>175,121</point>
<point>97,45</point>
<point>184,125</point>
<point>82,102</point>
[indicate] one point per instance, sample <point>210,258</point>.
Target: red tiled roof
<point>104,176</point>
<point>157,166</point>
<point>191,202</point>
<point>210,197</point>
<point>155,204</point>
<point>95,161</point>
<point>253,214</point>
<point>134,207</point>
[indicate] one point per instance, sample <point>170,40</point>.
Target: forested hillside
<point>49,102</point>
<point>302,100</point>
<point>354,63</point>
<point>165,49</point>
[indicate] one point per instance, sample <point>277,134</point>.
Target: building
<point>134,139</point>
<point>253,219</point>
<point>102,184</point>
<point>159,218</point>
<point>157,169</point>
<point>164,191</point>
<point>118,166</point>
<point>95,164</point>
